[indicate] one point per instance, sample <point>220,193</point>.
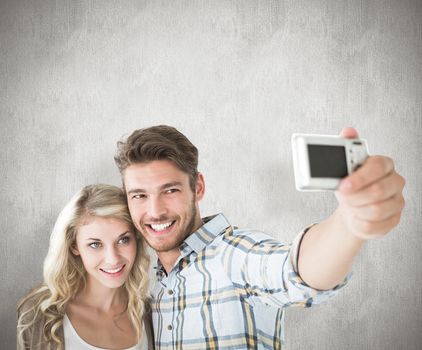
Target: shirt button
<point>170,292</point>
<point>170,327</point>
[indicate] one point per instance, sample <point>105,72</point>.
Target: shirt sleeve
<point>264,270</point>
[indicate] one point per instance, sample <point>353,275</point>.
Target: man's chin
<point>161,247</point>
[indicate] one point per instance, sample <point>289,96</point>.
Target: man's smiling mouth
<point>161,227</point>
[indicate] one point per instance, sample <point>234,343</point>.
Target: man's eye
<point>172,190</point>
<point>124,240</point>
<point>138,196</point>
<point>95,245</point>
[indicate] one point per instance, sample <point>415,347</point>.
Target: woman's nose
<point>111,255</point>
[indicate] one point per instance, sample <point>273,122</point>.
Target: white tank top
<point>72,340</point>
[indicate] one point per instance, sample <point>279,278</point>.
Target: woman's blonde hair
<point>64,273</point>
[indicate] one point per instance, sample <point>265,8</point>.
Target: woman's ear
<point>74,249</point>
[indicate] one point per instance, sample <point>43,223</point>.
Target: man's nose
<point>156,208</point>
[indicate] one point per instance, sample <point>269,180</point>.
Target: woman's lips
<point>114,272</point>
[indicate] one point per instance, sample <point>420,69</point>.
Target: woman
<point>94,294</point>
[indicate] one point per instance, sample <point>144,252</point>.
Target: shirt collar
<point>198,240</point>
<point>213,226</point>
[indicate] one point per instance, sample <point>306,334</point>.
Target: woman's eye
<point>95,245</point>
<point>124,240</point>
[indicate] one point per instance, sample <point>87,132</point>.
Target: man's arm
<point>370,205</point>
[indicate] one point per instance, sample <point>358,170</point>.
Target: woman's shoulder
<point>31,320</point>
<point>30,302</point>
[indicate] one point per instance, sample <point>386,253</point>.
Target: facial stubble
<point>187,231</point>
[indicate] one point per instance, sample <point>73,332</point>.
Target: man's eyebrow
<point>135,190</point>
<point>162,187</point>
<point>171,184</point>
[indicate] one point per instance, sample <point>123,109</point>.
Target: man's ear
<point>74,249</point>
<point>200,187</point>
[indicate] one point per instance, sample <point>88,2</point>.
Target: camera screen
<point>327,161</point>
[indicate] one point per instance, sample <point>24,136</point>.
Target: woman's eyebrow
<point>123,234</point>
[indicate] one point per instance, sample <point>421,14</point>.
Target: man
<point>224,288</point>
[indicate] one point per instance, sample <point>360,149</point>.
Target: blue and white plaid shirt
<point>228,290</point>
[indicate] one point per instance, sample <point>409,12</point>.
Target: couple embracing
<point>215,286</point>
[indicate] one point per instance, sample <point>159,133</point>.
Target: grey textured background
<point>238,77</point>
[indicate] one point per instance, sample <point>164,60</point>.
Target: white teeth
<point>161,227</point>
<point>113,270</point>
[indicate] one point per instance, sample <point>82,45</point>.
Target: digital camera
<point>321,161</point>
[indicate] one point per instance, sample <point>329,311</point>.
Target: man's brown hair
<point>159,142</point>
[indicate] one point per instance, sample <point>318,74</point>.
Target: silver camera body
<point>321,161</point>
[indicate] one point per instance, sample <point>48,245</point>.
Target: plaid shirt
<point>228,290</point>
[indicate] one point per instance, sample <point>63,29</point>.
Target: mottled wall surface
<point>237,77</point>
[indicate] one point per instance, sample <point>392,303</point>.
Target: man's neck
<point>169,258</point>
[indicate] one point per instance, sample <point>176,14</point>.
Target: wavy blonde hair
<point>64,273</point>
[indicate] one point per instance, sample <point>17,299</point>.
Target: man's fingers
<point>372,170</point>
<point>372,230</point>
<point>378,191</point>
<point>349,133</point>
<point>380,211</point>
